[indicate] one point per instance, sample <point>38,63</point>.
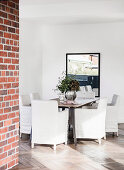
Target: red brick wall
<point>9,82</point>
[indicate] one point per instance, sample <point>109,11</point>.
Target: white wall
<point>47,52</point>
<point>30,57</point>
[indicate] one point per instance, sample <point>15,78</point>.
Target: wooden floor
<point>88,155</point>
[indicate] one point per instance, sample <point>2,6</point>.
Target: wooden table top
<point>79,102</point>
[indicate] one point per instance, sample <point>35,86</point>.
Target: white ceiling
<point>41,2</point>
<point>72,11</point>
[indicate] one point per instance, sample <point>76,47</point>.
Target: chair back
<point>88,88</point>
<point>115,100</point>
<point>34,96</point>
<point>81,92</point>
<point>24,100</point>
<point>90,123</point>
<point>44,120</point>
<point>25,114</point>
<point>82,89</point>
<point>102,105</point>
<point>101,116</point>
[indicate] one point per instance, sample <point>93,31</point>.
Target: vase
<point>70,95</point>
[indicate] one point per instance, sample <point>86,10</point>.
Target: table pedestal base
<point>72,122</point>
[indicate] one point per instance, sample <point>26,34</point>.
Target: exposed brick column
<point>9,83</point>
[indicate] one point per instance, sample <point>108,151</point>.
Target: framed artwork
<point>85,67</point>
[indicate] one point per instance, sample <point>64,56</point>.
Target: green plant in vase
<point>69,86</point>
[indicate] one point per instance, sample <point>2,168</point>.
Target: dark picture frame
<point>98,77</point>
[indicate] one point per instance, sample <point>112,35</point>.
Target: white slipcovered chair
<point>90,123</point>
<point>112,115</point>
<point>82,92</point>
<point>25,114</point>
<point>89,92</point>
<point>48,125</point>
<point>86,92</point>
<point>35,96</point>
<point>88,88</point>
